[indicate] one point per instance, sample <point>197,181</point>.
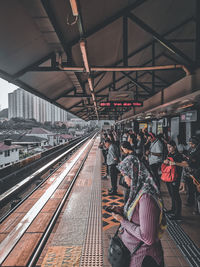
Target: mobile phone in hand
<point>112,209</point>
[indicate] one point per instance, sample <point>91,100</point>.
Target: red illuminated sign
<point>121,104</point>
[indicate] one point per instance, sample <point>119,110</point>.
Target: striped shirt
<point>143,227</point>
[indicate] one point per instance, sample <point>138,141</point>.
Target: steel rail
<point>44,159</point>
<point>32,191</point>
<point>11,240</point>
<point>18,186</point>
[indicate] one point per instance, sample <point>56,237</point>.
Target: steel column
<point>136,90</point>
<point>114,77</point>
<point>125,40</point>
<point>197,33</point>
<point>153,64</point>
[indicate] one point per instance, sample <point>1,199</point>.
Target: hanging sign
<point>111,104</point>
<point>188,116</point>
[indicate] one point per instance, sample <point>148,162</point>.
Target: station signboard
<point>188,116</point>
<point>142,125</point>
<point>117,104</point>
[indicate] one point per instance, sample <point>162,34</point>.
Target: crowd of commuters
<point>136,159</point>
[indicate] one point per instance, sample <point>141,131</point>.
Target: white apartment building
<point>36,110</point>
<point>25,105</point>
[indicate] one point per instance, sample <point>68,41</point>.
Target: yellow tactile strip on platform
<point>59,256</point>
<point>108,220</point>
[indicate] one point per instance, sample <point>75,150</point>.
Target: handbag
<point>118,254</point>
<point>169,173</point>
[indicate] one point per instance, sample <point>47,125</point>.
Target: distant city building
<point>23,104</point>
<point>9,154</point>
<point>43,133</point>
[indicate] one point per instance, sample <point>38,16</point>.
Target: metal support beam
<point>197,33</point>
<point>114,78</point>
<point>35,64</point>
<point>153,64</point>
<point>161,39</point>
<point>185,40</point>
<point>100,79</point>
<point>68,49</point>
<point>136,90</point>
<point>145,88</point>
<point>108,21</point>
<point>82,95</point>
<point>186,21</point>
<point>125,40</point>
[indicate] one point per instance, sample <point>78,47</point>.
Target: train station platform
<point>81,234</point>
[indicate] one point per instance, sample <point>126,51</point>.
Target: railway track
<point>36,216</point>
<point>15,173</point>
<point>15,195</point>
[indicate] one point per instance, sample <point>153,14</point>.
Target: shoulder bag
<point>169,173</point>
<point>118,254</point>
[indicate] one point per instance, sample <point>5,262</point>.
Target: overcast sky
<point>5,88</point>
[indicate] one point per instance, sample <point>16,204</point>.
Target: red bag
<point>169,173</point>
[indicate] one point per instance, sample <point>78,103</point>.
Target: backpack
<point>169,173</point>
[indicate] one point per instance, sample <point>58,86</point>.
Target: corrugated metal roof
<point>34,32</point>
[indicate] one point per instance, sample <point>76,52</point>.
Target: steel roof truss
<point>161,39</point>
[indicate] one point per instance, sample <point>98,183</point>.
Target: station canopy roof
<point>74,52</point>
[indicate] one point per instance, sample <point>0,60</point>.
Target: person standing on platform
<point>192,167</point>
<point>140,146</point>
<point>155,154</point>
<point>142,218</point>
<point>173,187</point>
<point>126,166</point>
<point>125,136</point>
<point>112,161</point>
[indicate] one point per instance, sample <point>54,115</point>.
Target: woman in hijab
<point>128,153</point>
<point>142,218</point>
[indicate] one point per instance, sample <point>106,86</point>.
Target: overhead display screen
<point>111,104</point>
